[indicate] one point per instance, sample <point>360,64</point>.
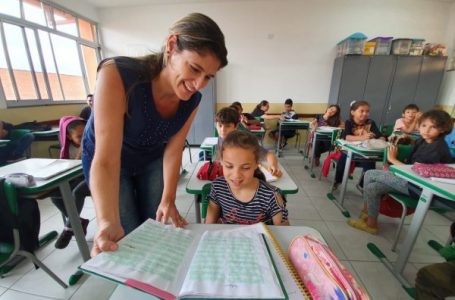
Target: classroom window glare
<point>47,53</point>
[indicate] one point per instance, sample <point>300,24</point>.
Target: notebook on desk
<point>54,168</point>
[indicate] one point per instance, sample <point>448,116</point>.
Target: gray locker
<point>387,82</point>
<point>204,121</point>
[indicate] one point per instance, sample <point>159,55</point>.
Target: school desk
<point>430,188</point>
<point>195,185</point>
<point>283,234</point>
<point>209,144</point>
<point>323,133</point>
<point>61,181</point>
<point>47,135</point>
<point>290,125</point>
<point>260,133</point>
<point>353,150</point>
<point>3,143</point>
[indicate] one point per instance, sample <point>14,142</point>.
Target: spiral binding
<point>288,264</point>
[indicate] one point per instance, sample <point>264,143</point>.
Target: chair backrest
<point>204,201</point>
<point>404,153</point>
<point>386,129</point>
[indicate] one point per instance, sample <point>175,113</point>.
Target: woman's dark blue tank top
<point>145,132</point>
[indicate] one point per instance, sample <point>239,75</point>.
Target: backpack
<point>210,171</point>
<point>28,221</point>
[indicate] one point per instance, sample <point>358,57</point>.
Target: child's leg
<point>340,168</point>
<point>366,166</point>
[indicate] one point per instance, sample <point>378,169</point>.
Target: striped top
<point>261,208</point>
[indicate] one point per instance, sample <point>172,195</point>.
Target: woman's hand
<point>166,210</point>
<point>275,171</point>
<point>106,238</point>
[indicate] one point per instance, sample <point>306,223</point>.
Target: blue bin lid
<point>354,36</point>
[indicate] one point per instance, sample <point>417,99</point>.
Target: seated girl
<point>242,196</point>
<point>430,149</point>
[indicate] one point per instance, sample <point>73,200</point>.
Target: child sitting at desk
<point>242,196</point>
<point>287,115</point>
<point>358,128</point>
<point>16,147</point>
<point>430,149</point>
<point>246,119</point>
<point>227,120</point>
<point>331,118</point>
<point>71,131</point>
<point>408,122</point>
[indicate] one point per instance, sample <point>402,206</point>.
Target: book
<point>175,263</point>
<point>54,168</point>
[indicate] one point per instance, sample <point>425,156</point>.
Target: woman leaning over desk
<point>143,110</point>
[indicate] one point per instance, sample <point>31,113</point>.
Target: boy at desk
<point>288,115</point>
<point>15,148</point>
<point>71,131</point>
<point>227,120</point>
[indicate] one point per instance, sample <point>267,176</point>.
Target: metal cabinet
<point>204,121</point>
<point>387,82</point>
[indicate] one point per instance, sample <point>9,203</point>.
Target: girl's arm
<point>213,213</point>
<point>392,155</point>
<point>171,169</point>
<point>271,117</point>
<point>110,108</point>
<point>278,218</point>
<point>356,138</point>
<point>272,162</point>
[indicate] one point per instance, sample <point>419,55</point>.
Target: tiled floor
<point>309,207</point>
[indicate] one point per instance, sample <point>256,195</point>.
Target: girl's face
<point>331,111</point>
<point>265,108</point>
<point>189,71</point>
<point>238,167</point>
<point>361,113</point>
<point>75,136</point>
<point>409,115</point>
<point>429,131</point>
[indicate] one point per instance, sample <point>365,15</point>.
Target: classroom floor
<point>309,207</point>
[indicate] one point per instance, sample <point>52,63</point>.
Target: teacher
<point>133,141</point>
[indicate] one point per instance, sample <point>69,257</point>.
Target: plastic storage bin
<point>353,44</point>
<point>416,47</point>
<point>368,49</point>
<point>383,45</point>
<point>401,46</point>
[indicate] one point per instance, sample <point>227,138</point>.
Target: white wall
<point>447,94</point>
<point>277,49</point>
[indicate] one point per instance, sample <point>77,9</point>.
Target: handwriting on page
<point>221,258</point>
<point>141,252</point>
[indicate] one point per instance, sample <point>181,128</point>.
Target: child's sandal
<point>363,216</point>
<point>362,225</point>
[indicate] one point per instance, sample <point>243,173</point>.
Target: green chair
<point>204,201</point>
<point>386,129</point>
<point>9,251</point>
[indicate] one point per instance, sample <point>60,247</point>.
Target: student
<point>87,110</point>
<point>247,118</point>
<point>430,149</point>
<point>288,114</point>
<point>243,120</point>
<point>144,108</point>
<point>408,122</point>
<point>71,130</point>
<point>227,120</point>
<point>357,128</point>
<point>15,148</point>
<point>240,196</point>
<point>331,118</point>
<point>261,109</point>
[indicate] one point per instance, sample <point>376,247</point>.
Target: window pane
<point>95,38</point>
<point>69,67</point>
<point>65,22</point>
<point>19,62</point>
<point>33,12</point>
<point>90,65</point>
<point>10,7</point>
<point>36,63</point>
<point>85,30</point>
<point>4,75</point>
<point>50,66</point>
<point>48,16</point>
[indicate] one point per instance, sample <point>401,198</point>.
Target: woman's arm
<point>213,213</point>
<point>171,168</point>
<point>271,117</point>
<point>110,108</point>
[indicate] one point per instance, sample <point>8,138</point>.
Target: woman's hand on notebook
<point>106,238</point>
<point>168,210</point>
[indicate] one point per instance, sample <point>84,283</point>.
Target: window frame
<point>24,24</point>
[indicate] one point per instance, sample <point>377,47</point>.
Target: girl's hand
<point>168,210</point>
<point>392,153</point>
<point>106,238</point>
<point>275,171</point>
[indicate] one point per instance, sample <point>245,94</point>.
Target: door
<point>429,83</point>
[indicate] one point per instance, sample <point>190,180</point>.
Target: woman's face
<point>190,71</point>
<point>361,113</point>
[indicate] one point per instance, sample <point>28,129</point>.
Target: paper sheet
<point>268,176</point>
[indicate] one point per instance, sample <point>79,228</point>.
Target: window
<point>48,55</point>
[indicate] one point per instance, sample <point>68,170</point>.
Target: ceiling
<point>113,3</point>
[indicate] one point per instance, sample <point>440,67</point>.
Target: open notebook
<point>54,168</point>
<point>172,263</point>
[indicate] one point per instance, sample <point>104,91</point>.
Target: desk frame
<point>290,125</point>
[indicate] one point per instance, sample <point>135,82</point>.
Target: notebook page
<point>153,253</point>
<point>232,264</point>
<point>268,176</point>
<point>54,168</point>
